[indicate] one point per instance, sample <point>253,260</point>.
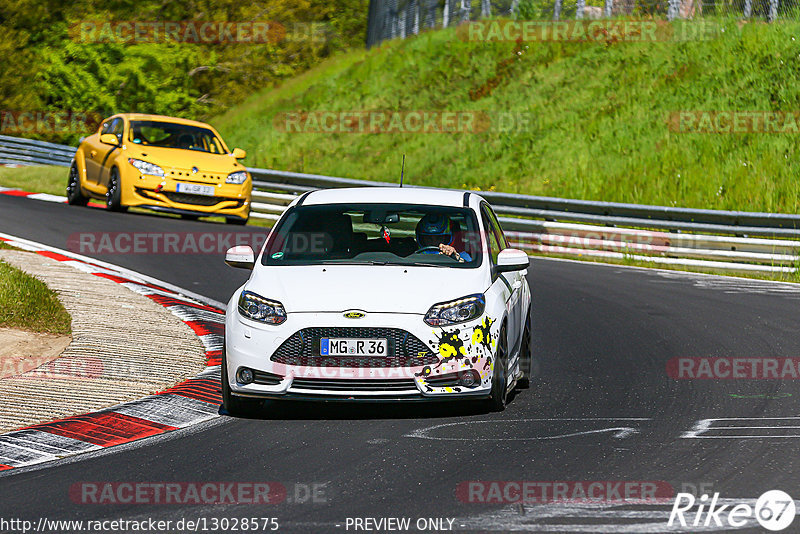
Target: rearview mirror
<point>511,259</point>
<point>381,217</point>
<point>109,139</point>
<point>240,257</point>
<point>238,153</point>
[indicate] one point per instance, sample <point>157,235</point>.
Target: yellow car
<point>161,163</point>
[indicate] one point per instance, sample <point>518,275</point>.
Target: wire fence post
<point>430,14</point>
<point>608,8</point>
<point>414,16</point>
<point>748,9</point>
<point>557,10</point>
<point>773,10</point>
<point>672,9</point>
<point>513,9</point>
<point>579,5</point>
<point>393,22</point>
<point>466,9</point>
<point>446,14</point>
<point>486,8</point>
<point>376,22</point>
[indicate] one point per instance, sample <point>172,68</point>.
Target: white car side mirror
<point>241,257</point>
<point>512,259</point>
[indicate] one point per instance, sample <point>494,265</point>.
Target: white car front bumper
<point>423,362</point>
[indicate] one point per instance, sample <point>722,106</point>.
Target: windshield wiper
<point>346,262</point>
<point>417,264</point>
<point>380,262</point>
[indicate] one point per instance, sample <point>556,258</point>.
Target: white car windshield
<point>390,234</point>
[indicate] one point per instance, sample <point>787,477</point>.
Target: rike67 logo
<point>774,510</point>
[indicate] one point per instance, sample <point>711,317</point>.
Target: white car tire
<point>497,400</point>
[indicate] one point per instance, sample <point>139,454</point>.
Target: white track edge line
<point>128,272</point>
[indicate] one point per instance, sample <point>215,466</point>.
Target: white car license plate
<point>196,189</point>
<point>352,347</point>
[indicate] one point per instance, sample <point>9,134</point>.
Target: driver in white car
<point>435,230</point>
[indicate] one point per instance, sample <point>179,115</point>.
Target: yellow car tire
<point>114,193</point>
<point>74,195</point>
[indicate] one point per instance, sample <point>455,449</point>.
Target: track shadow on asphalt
<point>276,410</point>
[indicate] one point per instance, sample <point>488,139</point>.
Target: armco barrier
<point>711,239</point>
<point>18,151</point>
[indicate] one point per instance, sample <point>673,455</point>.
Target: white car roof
<point>388,195</point>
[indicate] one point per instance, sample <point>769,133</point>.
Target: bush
<point>55,71</point>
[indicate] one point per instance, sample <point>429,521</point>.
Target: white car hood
<point>375,289</point>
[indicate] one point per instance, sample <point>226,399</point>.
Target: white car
<point>379,294</point>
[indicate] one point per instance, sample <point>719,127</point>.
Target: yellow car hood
<point>177,158</point>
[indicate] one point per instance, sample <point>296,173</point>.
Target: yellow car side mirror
<point>109,139</point>
<point>238,153</point>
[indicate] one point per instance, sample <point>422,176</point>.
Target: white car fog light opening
<point>466,379</point>
<point>469,379</point>
<point>456,311</point>
<point>244,375</point>
<point>258,308</point>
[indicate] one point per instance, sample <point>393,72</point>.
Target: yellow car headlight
<point>146,167</point>
<point>237,177</point>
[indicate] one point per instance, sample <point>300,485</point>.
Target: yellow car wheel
<point>74,195</point>
<point>114,193</point>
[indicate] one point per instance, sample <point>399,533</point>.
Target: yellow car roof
<point>148,117</point>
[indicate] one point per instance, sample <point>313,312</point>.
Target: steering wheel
<point>425,249</point>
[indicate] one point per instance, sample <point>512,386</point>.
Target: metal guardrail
<point>18,151</point>
<point>710,239</point>
<point>589,211</point>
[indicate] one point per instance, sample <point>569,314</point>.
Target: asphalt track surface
<point>603,409</point>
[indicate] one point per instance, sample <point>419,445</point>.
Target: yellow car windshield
<point>172,135</point>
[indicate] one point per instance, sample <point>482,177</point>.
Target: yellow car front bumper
<point>230,200</point>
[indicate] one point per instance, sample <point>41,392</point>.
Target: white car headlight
<point>147,168</point>
<point>237,177</point>
<point>257,308</point>
<point>456,311</point>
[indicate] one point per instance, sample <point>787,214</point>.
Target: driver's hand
<point>447,249</point>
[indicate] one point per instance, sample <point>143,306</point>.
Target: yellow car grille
<point>197,200</point>
<point>199,176</point>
